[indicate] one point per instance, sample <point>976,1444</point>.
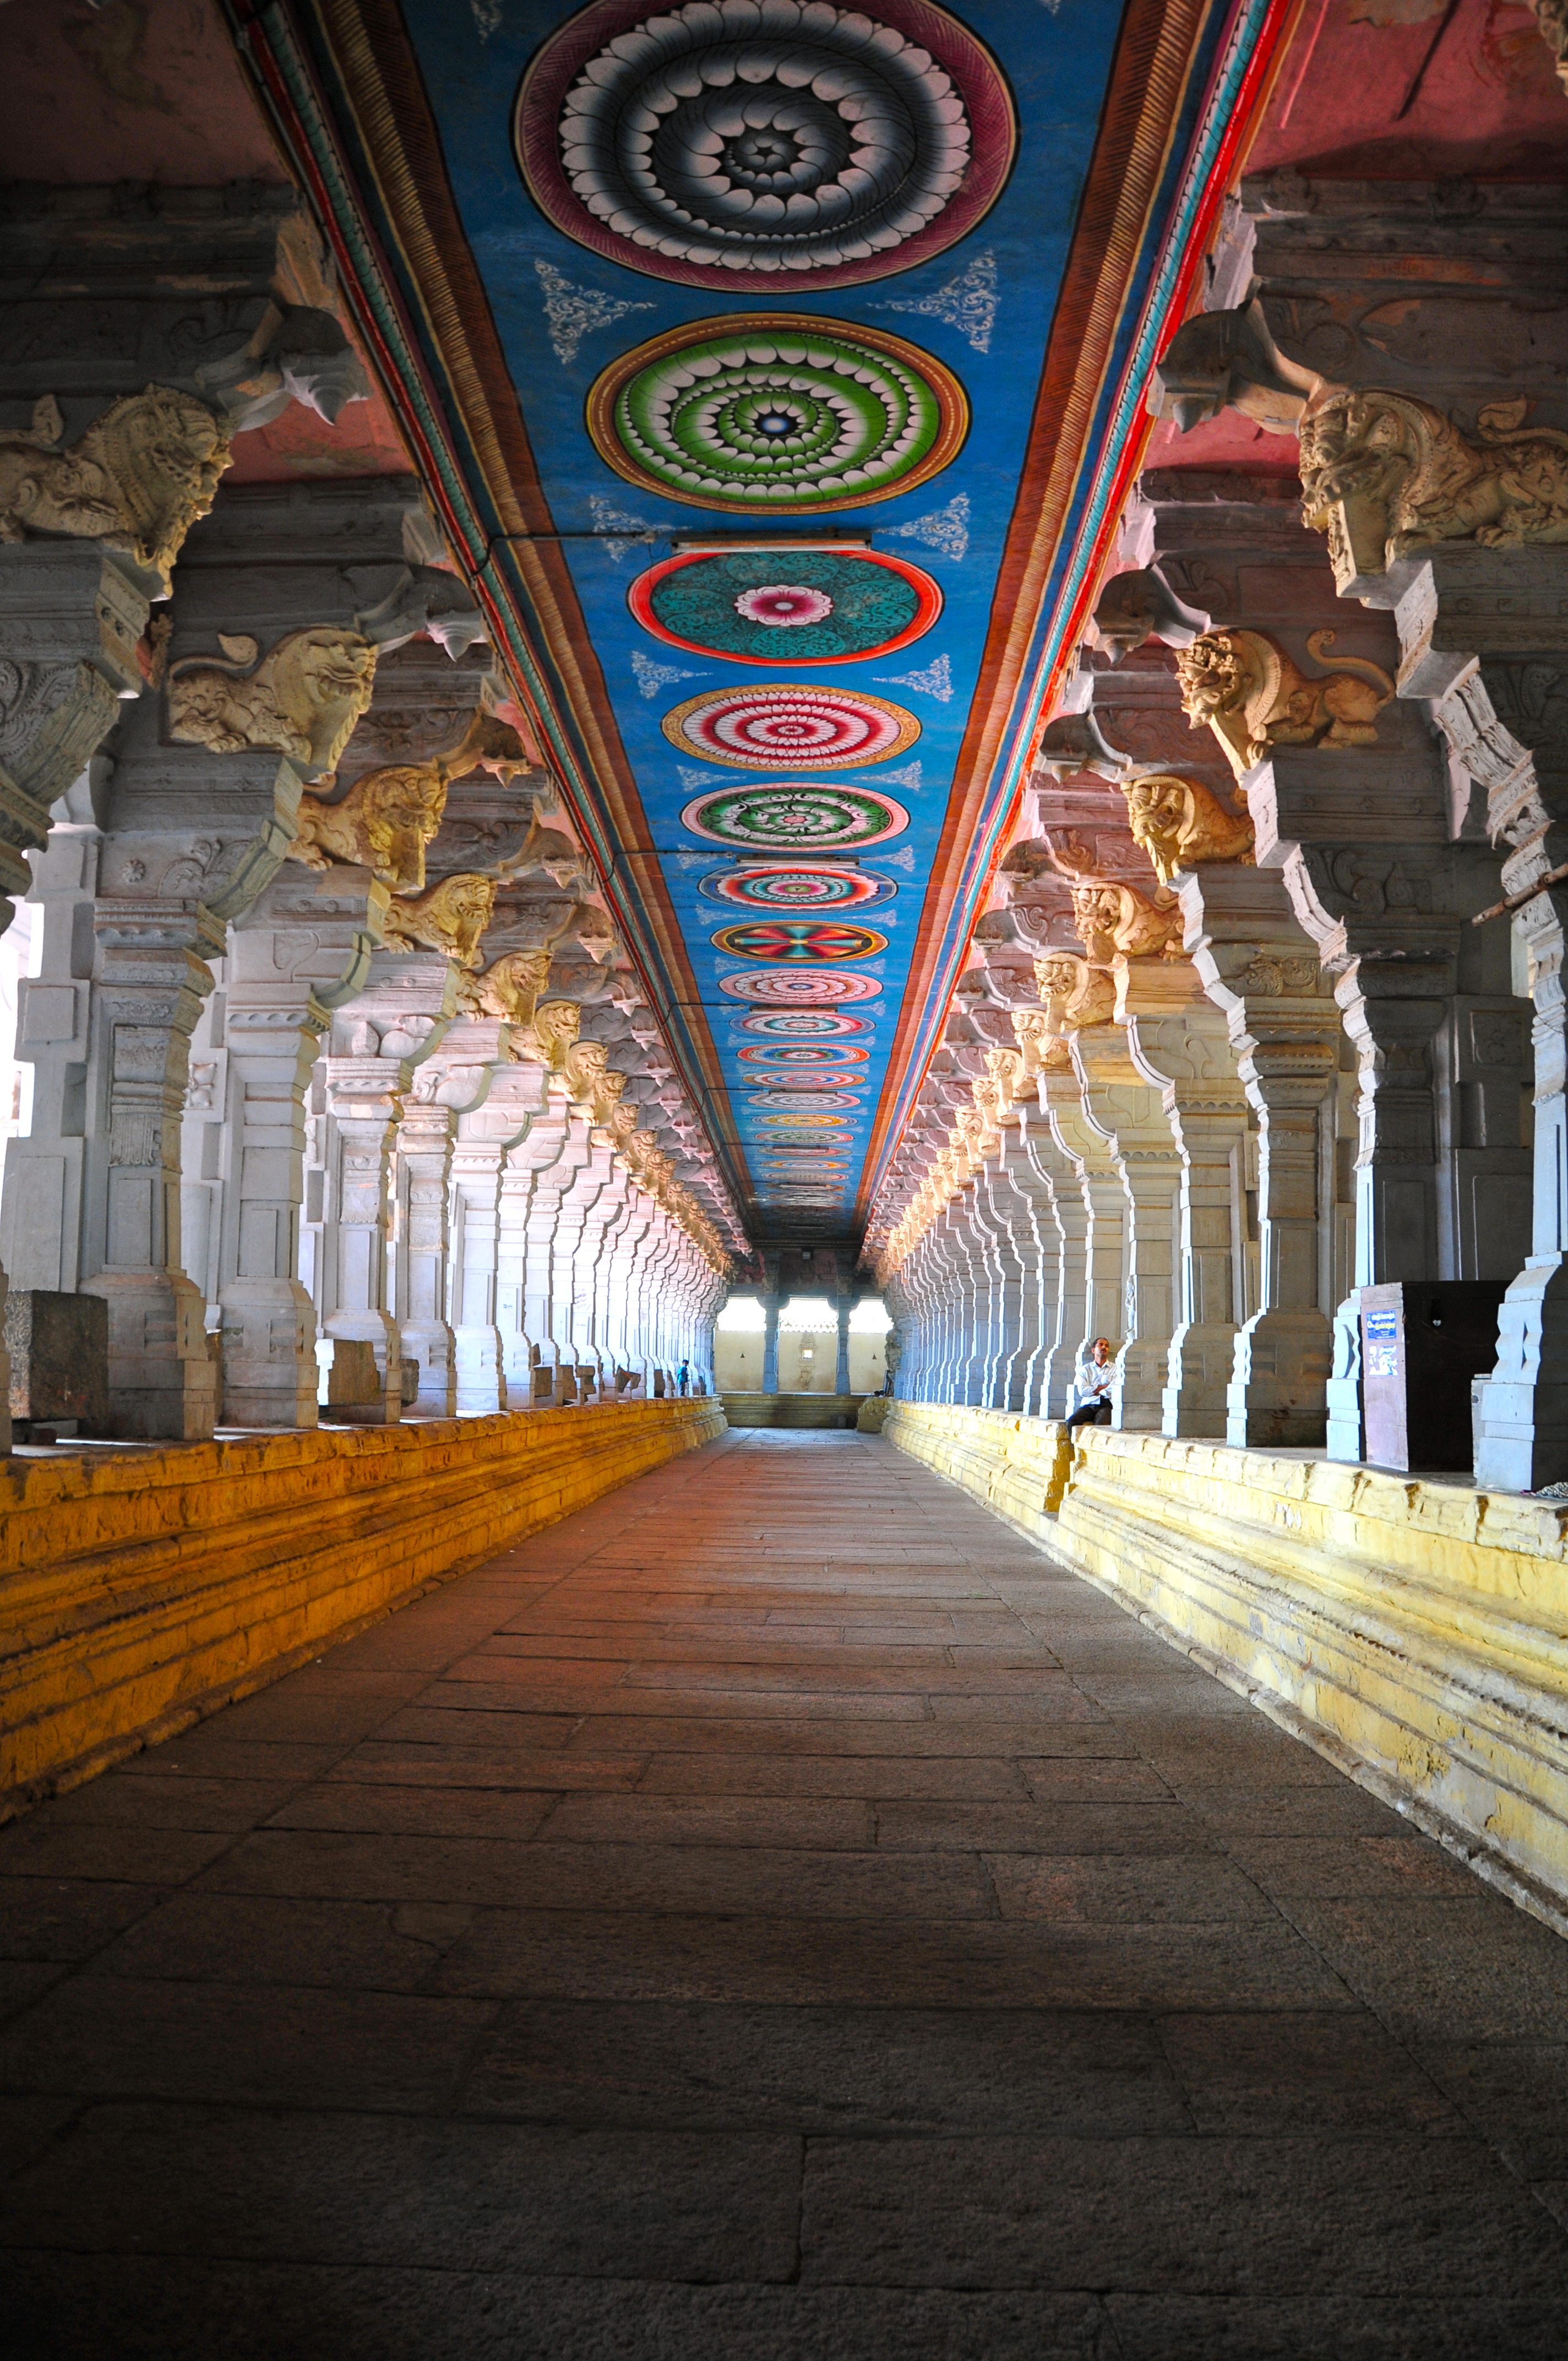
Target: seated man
<point>1091,1386</point>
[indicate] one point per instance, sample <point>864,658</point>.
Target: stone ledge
<point>141,1589</point>
<point>1415,1630</point>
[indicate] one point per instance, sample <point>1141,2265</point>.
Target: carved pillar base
<point>163,1375</point>
<point>1521,1424</point>
<point>1275,1396</point>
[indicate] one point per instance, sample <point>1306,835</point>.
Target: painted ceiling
<point>778,289</point>
<point>773,282</point>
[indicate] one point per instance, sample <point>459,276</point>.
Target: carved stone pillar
<point>424,1172</point>
<point>486,1133</point>
<point>1284,1030</point>
<point>303,949</point>
<point>1179,1042</point>
<point>359,1119</point>
<point>150,984</point>
<point>41,1209</point>
<point>1484,635</point>
<point>1117,1103</point>
<point>379,1041</point>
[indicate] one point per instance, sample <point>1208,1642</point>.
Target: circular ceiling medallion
<point>775,888</point>
<point>795,818</point>
<point>768,414</point>
<point>724,144</point>
<point>800,988</point>
<point>803,1121</point>
<point>803,1102</point>
<point>806,1053</point>
<point>800,940</point>
<point>830,1078</point>
<point>815,728</point>
<point>785,606</point>
<point>801,1024</point>
<point>800,1140</point>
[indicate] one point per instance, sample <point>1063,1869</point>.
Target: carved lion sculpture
<point>1176,821</point>
<point>383,823</point>
<point>450,919</point>
<point>584,1066</point>
<point>1040,1047</point>
<point>1244,687</point>
<point>1074,992</point>
<point>556,1025</point>
<point>1111,918</point>
<point>621,1123</point>
<point>302,698</point>
<point>1383,474</point>
<point>137,479</point>
<point>509,989</point>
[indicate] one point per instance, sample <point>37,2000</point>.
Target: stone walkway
<point>774,1916</point>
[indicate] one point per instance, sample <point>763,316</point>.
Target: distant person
<point>683,1379</point>
<point>1091,1387</point>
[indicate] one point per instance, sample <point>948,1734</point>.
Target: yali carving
<point>1178,822</point>
<point>137,479</point>
<point>1074,993</point>
<point>450,919</point>
<point>1243,686</point>
<point>509,989</point>
<point>302,698</point>
<point>1112,918</point>
<point>1383,474</point>
<point>382,824</point>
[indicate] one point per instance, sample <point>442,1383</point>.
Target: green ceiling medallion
<point>771,414</point>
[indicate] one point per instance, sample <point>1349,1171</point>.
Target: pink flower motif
<point>784,604</point>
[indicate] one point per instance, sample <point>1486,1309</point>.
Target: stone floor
<point>774,1916</point>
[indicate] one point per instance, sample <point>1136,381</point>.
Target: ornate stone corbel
<point>1246,689</point>
<point>384,824</point>
<point>558,1024</point>
<point>1113,917</point>
<point>1141,605</point>
<point>137,480</point>
<point>1384,474</point>
<point>302,698</point>
<point>1074,992</point>
<point>1178,822</point>
<point>450,919</point>
<point>1228,360</point>
<point>508,988</point>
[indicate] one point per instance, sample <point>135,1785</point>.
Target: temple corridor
<point>773,1914</point>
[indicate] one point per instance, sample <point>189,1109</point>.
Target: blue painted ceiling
<point>899,191</point>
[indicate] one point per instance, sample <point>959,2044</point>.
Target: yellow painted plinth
<point>141,1589</point>
<point>1415,1632</point>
